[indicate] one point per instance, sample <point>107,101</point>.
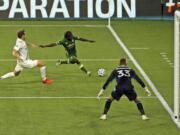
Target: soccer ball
<point>101,72</point>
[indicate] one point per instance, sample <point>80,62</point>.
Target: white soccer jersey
<point>22,48</point>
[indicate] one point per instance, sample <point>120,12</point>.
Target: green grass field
<point>78,116</point>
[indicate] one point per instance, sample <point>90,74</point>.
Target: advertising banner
<point>77,9</point>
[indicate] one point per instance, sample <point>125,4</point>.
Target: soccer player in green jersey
<point>69,43</point>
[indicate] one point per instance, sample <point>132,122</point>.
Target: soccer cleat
<point>89,73</point>
<point>58,63</point>
<point>103,117</point>
<point>144,117</point>
<point>47,81</point>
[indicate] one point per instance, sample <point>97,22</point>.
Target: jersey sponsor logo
<point>70,46</point>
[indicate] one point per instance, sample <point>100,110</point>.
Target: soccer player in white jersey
<point>20,52</point>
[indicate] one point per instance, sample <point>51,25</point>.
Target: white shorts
<point>26,64</point>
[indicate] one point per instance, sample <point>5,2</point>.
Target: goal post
<point>176,65</point>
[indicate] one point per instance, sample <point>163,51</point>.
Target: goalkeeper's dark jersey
<point>123,76</point>
<point>70,46</point>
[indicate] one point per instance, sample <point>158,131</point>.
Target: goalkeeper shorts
<point>130,94</point>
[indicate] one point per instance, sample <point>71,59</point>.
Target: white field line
<point>163,53</point>
<point>53,60</point>
<point>78,97</point>
<point>151,84</point>
<point>55,25</point>
<point>166,59</point>
<point>138,48</point>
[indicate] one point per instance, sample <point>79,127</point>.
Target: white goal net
<point>177,66</point>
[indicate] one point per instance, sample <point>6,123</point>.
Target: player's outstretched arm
<point>101,92</point>
<point>32,45</point>
<point>48,45</point>
<point>147,91</point>
<point>86,40</point>
<point>136,77</point>
<point>108,81</point>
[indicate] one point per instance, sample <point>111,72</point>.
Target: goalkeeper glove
<point>147,91</point>
<point>100,93</point>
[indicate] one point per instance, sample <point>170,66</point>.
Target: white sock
<point>81,66</point>
<point>8,75</point>
<point>43,73</point>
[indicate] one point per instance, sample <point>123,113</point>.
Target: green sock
<point>64,62</point>
<point>83,68</point>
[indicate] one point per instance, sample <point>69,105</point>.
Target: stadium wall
<point>78,9</point>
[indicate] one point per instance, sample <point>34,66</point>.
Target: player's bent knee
<point>110,98</point>
<point>72,62</point>
<point>137,100</point>
<point>17,73</point>
<point>40,63</point>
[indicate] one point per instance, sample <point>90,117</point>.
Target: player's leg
<point>60,61</point>
<point>15,73</point>
<point>42,68</point>
<point>106,108</point>
<point>141,109</point>
<point>81,66</point>
<point>139,106</point>
<point>116,94</point>
<point>132,96</point>
<point>72,59</point>
<point>108,104</point>
<point>8,75</point>
<point>75,60</point>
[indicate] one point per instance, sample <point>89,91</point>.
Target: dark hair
<point>20,33</point>
<point>123,61</point>
<point>68,35</point>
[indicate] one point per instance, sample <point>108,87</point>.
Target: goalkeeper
<point>69,43</point>
<point>123,75</point>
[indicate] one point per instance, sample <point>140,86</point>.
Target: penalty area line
<point>78,97</point>
<point>136,48</point>
<point>54,60</point>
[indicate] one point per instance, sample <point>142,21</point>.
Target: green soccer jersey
<point>70,46</point>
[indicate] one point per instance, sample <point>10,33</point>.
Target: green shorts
<point>73,59</point>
